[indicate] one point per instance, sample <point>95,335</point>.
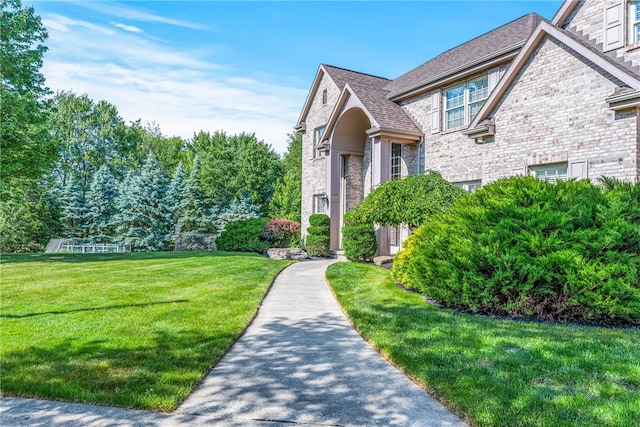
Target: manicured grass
<point>497,372</point>
<point>135,330</point>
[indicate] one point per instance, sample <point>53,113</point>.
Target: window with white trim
<point>634,22</point>
<point>463,102</point>
<point>317,140</point>
<point>396,161</point>
<point>320,204</point>
<point>551,173</point>
<point>421,158</point>
<point>469,186</point>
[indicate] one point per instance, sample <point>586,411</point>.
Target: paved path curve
<point>299,362</point>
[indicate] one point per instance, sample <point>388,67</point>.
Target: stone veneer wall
<point>588,18</point>
<point>547,116</point>
<point>314,169</point>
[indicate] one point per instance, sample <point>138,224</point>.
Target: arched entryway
<point>345,174</point>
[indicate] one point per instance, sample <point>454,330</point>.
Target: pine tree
<point>143,217</point>
<point>194,214</point>
<point>101,199</point>
<point>175,194</point>
<point>240,209</point>
<point>74,211</point>
<point>124,207</point>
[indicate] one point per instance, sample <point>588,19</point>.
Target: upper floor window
<point>634,22</point>
<point>551,173</point>
<point>464,101</point>
<point>317,140</point>
<point>324,97</point>
<point>396,161</point>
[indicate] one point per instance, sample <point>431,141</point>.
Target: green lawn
<point>497,372</point>
<point>135,330</point>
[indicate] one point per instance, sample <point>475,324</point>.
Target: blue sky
<point>245,66</point>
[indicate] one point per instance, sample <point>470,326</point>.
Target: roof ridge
<point>355,72</point>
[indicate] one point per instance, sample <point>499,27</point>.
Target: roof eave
<point>486,60</point>
<point>400,136</point>
<point>563,13</point>
<point>624,101</point>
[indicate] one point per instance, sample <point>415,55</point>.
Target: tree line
<point>72,167</point>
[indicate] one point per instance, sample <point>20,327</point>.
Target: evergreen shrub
<point>524,247</point>
<point>358,239</point>
<point>318,235</point>
<point>243,236</point>
<point>281,233</point>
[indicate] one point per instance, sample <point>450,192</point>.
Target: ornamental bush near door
<point>318,235</point>
<point>358,239</point>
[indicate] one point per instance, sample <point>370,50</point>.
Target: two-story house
<point>556,99</point>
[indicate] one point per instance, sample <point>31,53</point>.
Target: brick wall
<point>314,169</point>
<point>547,117</point>
<point>588,18</point>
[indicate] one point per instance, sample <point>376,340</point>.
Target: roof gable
<point>503,39</point>
<point>616,68</point>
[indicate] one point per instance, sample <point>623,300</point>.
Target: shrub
<point>281,233</point>
<point>318,235</point>
<point>524,247</point>
<point>358,239</point>
<point>410,200</point>
<point>243,236</point>
<point>319,220</point>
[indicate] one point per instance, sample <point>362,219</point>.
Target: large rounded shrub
<point>524,247</point>
<point>243,236</point>
<point>318,237</point>
<point>358,239</point>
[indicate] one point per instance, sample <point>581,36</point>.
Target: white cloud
<point>138,15</point>
<point>129,28</point>
<point>182,92</point>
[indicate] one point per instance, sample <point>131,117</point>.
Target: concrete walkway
<point>300,362</point>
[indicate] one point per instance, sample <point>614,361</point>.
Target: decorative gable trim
<point>546,29</point>
<point>561,16</point>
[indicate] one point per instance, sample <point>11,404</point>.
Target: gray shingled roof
<point>370,91</point>
<point>502,37</point>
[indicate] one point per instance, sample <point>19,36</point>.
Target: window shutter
<point>578,170</point>
<point>494,76</point>
<point>435,111</point>
<point>613,27</point>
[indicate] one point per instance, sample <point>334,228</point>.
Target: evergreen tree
<point>240,209</point>
<point>194,215</point>
<point>175,194</point>
<point>101,204</point>
<point>74,210</point>
<point>143,218</point>
<point>124,207</point>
